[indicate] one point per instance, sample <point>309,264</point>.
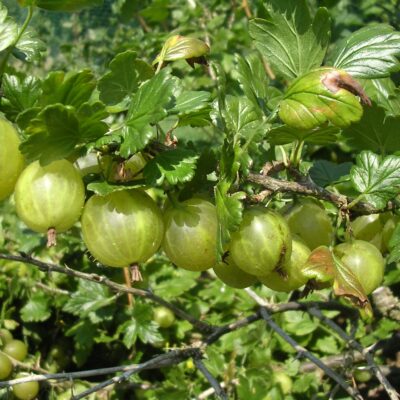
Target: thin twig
<point>103,280</point>
<point>219,392</point>
<point>305,353</point>
<point>307,187</point>
<point>391,391</point>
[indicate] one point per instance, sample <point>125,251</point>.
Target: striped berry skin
<point>11,160</point>
<point>50,196</point>
<point>122,228</point>
<point>263,242</point>
<point>191,234</point>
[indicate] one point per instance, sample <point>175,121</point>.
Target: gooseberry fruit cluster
<point>126,227</point>
<point>14,349</point>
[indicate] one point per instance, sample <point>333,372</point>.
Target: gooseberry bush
<point>200,199</point>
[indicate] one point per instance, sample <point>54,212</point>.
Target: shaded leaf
<point>324,172</point>
<point>174,166</point>
<point>83,333</point>
<point>369,52</point>
<point>291,42</point>
<point>52,135</point>
<point>377,179</point>
<point>66,5</point>
<point>286,134</point>
<point>127,72</point>
<point>91,124</point>
<point>74,88</point>
<point>394,245</point>
<point>375,131</point>
<point>253,80</point>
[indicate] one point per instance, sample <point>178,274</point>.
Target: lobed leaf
<point>377,179</point>
<point>374,131</point>
<point>8,29</point>
<point>324,172</point>
<point>370,52</point>
<point>173,166</point>
<point>37,309</point>
<point>149,105</point>
<point>127,72</point>
<point>72,89</point>
<point>254,81</point>
<point>289,40</point>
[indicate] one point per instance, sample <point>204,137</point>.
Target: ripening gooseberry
<point>122,228</point>
<point>49,198</point>
<point>11,160</point>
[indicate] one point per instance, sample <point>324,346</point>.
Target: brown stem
<point>51,237</point>
<point>246,9</point>
<point>128,283</point>
<point>305,186</point>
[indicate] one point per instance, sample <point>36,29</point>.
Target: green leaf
<point>67,5</point>
<point>89,297</point>
<point>174,166</point>
<point>8,29</point>
<point>83,333</point>
<point>324,172</point>
<point>52,135</point>
<point>375,131</point>
<point>394,245</point>
<point>229,212</point>
<point>291,42</point>
<point>196,118</point>
<point>104,188</point>
<point>377,179</point>
<point>241,118</point>
<point>327,345</point>
<point>384,93</point>
<point>148,106</point>
<point>189,102</point>
<point>316,98</point>
<point>180,281</point>
<point>140,326</point>
<point>299,323</point>
<point>31,46</point>
<point>286,134</point>
<point>369,52</point>
<point>90,117</point>
<point>127,72</point>
<point>37,309</point>
<point>253,80</point>
<point>20,92</point>
<point>74,88</point>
